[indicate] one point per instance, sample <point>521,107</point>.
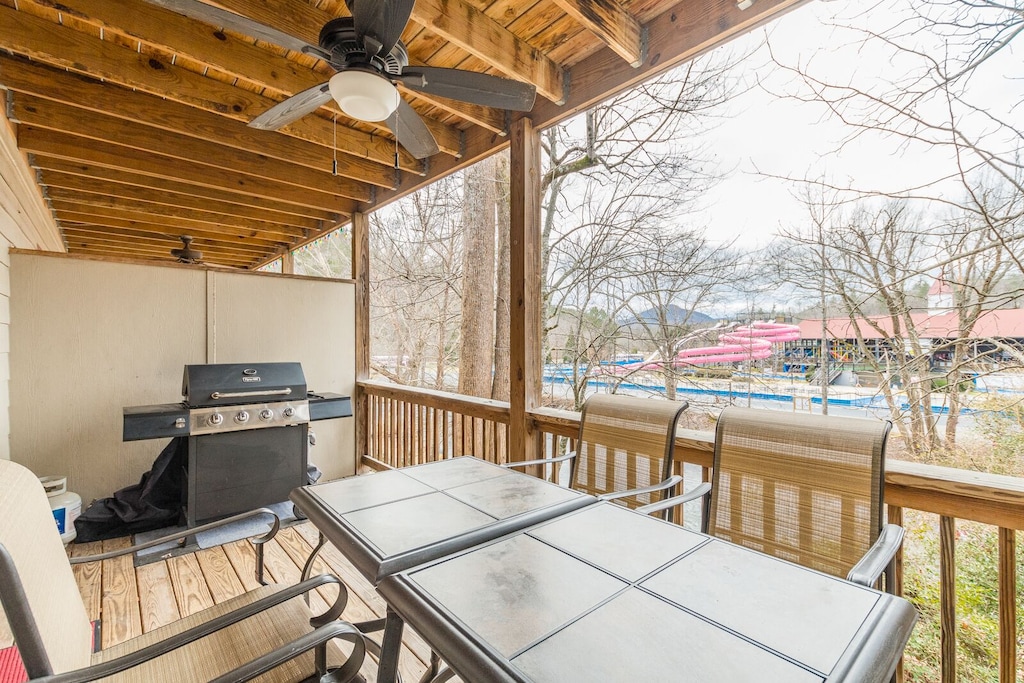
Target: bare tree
<point>663,288</point>
<point>476,338</point>
<point>416,252</point>
<point>613,177</point>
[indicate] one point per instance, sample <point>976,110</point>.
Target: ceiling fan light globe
<point>363,96</point>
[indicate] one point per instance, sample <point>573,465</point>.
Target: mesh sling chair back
<point>804,488</point>
<point>267,633</point>
<point>624,449</point>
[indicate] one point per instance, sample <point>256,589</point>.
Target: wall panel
<point>90,337</point>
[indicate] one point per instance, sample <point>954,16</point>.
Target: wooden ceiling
<point>134,117</point>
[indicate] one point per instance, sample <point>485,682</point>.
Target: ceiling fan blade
<point>379,23</point>
<point>296,106</point>
<point>236,22</point>
<point>411,132</point>
<point>470,86</point>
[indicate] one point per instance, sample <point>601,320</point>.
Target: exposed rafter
<point>611,23</point>
<point>472,30</point>
<point>135,117</point>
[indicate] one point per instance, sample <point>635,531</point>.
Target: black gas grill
<point>247,428</point>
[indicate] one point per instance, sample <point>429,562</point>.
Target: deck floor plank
<point>242,556</point>
<point>88,577</point>
<point>119,614</point>
<point>190,587</point>
<point>219,574</point>
<point>130,600</point>
<point>157,603</point>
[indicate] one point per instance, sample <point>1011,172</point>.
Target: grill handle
<point>247,394</point>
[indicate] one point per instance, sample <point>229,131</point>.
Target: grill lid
<point>225,384</point>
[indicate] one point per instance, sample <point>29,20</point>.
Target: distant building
<point>994,330</point>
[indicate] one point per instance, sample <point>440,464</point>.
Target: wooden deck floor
<point>131,600</point>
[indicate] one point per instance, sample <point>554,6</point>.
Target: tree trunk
<point>500,384</point>
<point>476,349</point>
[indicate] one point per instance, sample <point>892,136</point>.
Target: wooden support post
<point>288,262</point>
<point>361,274</point>
<point>525,324</point>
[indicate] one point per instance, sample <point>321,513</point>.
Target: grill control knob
<point>241,417</point>
<point>215,419</point>
<point>266,414</point>
<point>288,411</point>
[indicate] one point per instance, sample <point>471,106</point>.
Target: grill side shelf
<point>157,421</point>
<point>326,406</point>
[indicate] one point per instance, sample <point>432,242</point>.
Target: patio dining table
<point>607,594</point>
<point>394,520</point>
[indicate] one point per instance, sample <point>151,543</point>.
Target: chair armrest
<point>542,461</point>
<point>193,634</point>
<point>258,541</point>
<point>877,558</point>
<point>696,492</point>
<point>667,484</point>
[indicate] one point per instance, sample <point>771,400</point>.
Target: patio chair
<point>266,633</point>
<point>624,450</point>
<point>804,488</point>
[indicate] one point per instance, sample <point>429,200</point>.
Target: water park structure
<point>745,343</point>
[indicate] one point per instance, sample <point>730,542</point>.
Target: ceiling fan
<point>370,59</point>
<point>187,254</point>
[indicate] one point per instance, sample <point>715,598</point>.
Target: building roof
<point>1004,323</point>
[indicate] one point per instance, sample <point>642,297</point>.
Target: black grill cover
<point>254,382</point>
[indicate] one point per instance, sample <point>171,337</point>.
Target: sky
<point>761,133</point>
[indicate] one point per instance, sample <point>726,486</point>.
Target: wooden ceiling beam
<point>67,48</point>
<point>134,220</point>
<point>252,231</point>
<point>162,245</point>
<point>611,23</point>
<point>80,247</point>
<point>20,75</point>
<point>196,40</point>
<point>244,205</point>
<point>163,200</point>
<point>62,118</point>
<point>93,230</point>
<point>472,30</point>
<point>74,148</point>
<point>166,240</point>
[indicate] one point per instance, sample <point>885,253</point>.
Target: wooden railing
<point>408,426</point>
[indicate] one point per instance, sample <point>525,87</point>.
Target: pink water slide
<point>749,342</point>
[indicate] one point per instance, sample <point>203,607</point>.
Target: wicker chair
<point>804,488</point>
<point>266,633</point>
<point>624,450</point>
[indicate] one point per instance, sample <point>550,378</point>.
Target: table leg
<point>391,646</point>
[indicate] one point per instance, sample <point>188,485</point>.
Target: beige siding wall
<point>25,222</point>
<point>90,337</point>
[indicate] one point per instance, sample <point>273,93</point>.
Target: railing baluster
<point>947,598</point>
<point>407,425</point>
<point>1007,605</point>
<point>895,516</point>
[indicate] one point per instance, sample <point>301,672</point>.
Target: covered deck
<point>125,128</point>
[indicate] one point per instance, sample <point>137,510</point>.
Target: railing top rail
<point>977,496</point>
<point>472,406</point>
